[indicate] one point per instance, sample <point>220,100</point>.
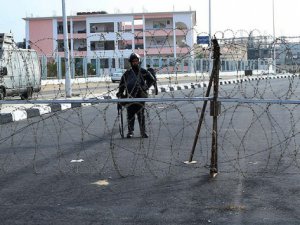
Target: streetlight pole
<point>68,87</point>
<point>209,21</point>
<point>274,38</point>
<point>209,37</point>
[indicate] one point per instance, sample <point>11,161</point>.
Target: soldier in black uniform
<point>135,83</point>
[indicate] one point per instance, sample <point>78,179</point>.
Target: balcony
<point>161,33</point>
<point>75,36</point>
<point>102,27</point>
<point>163,50</point>
<point>75,54</point>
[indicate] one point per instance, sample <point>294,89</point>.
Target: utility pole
<point>209,22</point>
<point>274,38</point>
<point>144,41</point>
<point>209,38</point>
<point>68,87</point>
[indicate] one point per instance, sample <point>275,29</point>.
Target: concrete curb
<point>35,111</point>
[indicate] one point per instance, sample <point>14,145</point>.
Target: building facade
<point>109,39</point>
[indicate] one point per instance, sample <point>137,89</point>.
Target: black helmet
<point>134,56</point>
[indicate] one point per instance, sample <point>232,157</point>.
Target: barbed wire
<point>258,124</point>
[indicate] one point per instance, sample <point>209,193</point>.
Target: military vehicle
<point>20,71</point>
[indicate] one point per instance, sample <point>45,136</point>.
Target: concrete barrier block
<point>6,118</point>
<point>75,105</point>
<point>32,112</point>
<point>19,115</point>
<point>55,107</point>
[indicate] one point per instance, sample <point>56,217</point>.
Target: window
<point>104,63</point>
<point>124,26</point>
<point>139,46</point>
<point>125,44</point>
<point>102,45</point>
<point>160,41</point>
<point>60,45</point>
<point>60,27</point>
<point>79,27</point>
<point>97,45</point>
<point>160,24</point>
<point>80,44</point>
<point>101,27</point>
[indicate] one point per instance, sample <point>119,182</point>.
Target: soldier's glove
<point>119,95</point>
<point>145,88</point>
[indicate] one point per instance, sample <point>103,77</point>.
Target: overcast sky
<point>226,14</point>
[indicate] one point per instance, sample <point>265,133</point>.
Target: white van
<point>20,72</point>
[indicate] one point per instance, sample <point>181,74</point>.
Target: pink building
<point>115,36</point>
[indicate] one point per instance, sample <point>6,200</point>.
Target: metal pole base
<point>190,162</point>
<point>213,173</point>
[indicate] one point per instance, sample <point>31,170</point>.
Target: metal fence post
<point>59,68</point>
<point>98,67</point>
<point>44,67</point>
<point>72,67</point>
<point>84,62</point>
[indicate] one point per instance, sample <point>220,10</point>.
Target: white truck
<point>20,71</point>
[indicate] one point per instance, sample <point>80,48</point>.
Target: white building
<point>109,39</point>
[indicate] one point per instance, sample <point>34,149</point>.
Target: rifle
<point>120,118</point>
<point>153,73</point>
<point>155,88</point>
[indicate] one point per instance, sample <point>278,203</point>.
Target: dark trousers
<point>139,110</point>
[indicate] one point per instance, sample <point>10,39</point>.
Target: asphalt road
<point>72,167</point>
